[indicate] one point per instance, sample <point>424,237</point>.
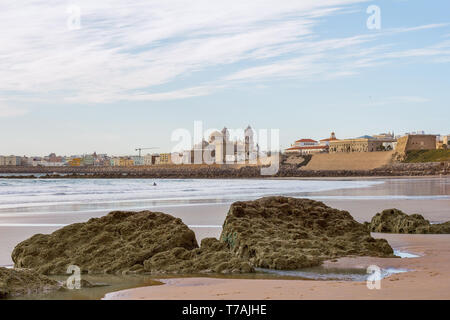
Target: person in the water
<point>154,184</point>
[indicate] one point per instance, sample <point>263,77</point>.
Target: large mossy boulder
<point>289,233</point>
<point>213,256</point>
<point>17,282</point>
<point>116,243</point>
<point>396,221</point>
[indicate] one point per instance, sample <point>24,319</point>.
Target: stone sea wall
<point>231,171</point>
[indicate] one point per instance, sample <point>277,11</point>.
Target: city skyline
<point>131,75</point>
<point>144,151</point>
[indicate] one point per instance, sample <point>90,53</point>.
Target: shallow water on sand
<point>104,284</point>
<point>340,274</point>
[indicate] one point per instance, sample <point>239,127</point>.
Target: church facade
<point>221,148</point>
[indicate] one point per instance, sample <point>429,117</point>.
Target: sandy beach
<point>428,278</point>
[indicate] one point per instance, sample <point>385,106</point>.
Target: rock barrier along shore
<point>222,171</point>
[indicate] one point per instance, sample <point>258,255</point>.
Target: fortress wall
<point>413,142</point>
<point>349,161</point>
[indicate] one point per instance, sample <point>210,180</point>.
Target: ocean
<point>41,195</point>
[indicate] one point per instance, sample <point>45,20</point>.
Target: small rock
<point>17,282</point>
<point>396,221</point>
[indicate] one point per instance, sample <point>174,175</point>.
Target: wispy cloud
<point>397,100</point>
<point>123,49</point>
<point>138,50</point>
<point>418,28</point>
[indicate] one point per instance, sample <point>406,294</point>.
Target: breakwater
<point>225,171</point>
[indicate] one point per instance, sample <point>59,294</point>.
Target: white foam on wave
<point>15,194</point>
<point>403,254</point>
<point>32,225</point>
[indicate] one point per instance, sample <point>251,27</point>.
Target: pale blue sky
<point>133,73</point>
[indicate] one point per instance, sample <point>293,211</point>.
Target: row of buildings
<point>222,148</point>
<point>378,142</point>
<point>86,160</point>
<point>219,148</point>
<point>147,160</point>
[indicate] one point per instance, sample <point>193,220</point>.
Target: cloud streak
<point>137,51</point>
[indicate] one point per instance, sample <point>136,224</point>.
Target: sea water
<point>40,194</point>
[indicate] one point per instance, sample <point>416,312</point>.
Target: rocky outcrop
<point>290,233</point>
<point>118,242</point>
<point>17,282</point>
<point>274,232</point>
<point>212,257</point>
<point>396,221</point>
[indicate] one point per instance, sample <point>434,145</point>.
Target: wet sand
<point>428,278</point>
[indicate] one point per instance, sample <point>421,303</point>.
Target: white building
<point>310,146</point>
<point>137,160</point>
<point>148,160</point>
<point>10,161</point>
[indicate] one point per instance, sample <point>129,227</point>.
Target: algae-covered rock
<point>289,233</point>
<point>17,282</point>
<point>273,232</point>
<point>396,221</point>
<point>213,256</point>
<point>117,242</point>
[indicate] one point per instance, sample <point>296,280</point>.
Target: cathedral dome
<point>215,135</point>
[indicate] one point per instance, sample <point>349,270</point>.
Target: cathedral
<point>220,148</point>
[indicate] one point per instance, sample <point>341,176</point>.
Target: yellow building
<point>361,144</point>
<point>126,162</point>
<point>355,145</point>
<point>165,158</point>
<point>75,162</point>
<point>115,162</point>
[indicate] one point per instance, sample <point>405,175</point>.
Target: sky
<point>78,77</point>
